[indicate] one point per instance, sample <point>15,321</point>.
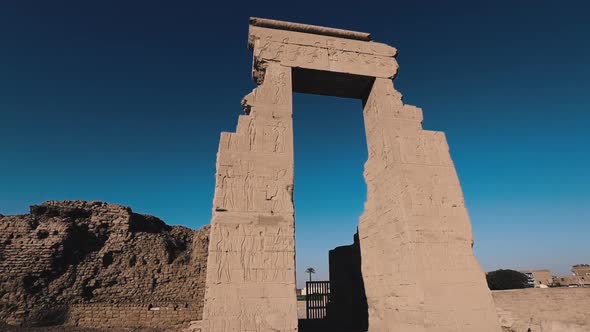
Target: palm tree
<point>310,270</point>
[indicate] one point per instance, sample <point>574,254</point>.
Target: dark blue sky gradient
<point>123,101</point>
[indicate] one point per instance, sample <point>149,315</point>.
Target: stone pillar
<point>418,266</point>
<point>251,263</point>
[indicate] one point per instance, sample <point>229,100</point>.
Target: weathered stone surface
<point>99,265</point>
<point>308,28</point>
<point>418,267</point>
<point>251,279</point>
<point>296,49</point>
<point>546,310</point>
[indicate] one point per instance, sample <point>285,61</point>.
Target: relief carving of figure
<point>227,186</point>
<point>271,50</point>
<point>272,191</point>
<point>249,180</point>
<point>297,51</point>
<point>312,55</point>
<point>252,134</point>
<point>223,269</point>
<point>280,192</point>
<point>278,138</point>
<point>280,90</point>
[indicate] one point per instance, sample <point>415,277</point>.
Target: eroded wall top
<point>319,48</point>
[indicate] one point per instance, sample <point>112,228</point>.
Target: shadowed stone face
<point>418,268</point>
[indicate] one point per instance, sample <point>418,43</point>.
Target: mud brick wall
<point>101,265</point>
<point>546,310</point>
<point>104,315</point>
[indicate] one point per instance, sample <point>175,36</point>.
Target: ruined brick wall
<point>546,310</point>
<point>101,265</point>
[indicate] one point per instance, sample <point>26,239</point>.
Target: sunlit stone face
<point>418,267</point>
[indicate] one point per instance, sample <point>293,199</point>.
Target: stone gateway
<point>417,262</point>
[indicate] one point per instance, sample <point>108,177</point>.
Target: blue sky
<point>124,102</point>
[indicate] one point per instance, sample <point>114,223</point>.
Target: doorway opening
<point>330,191</point>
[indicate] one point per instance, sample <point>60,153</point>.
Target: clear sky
<point>123,101</point>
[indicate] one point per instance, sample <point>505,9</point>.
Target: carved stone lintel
<point>308,28</point>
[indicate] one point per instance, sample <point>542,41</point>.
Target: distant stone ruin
<point>417,263</point>
<point>99,265</point>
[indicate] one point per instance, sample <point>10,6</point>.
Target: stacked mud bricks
<point>99,265</point>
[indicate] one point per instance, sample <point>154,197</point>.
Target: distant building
<point>581,270</point>
<point>565,281</point>
<point>538,278</point>
<point>582,273</point>
<point>580,277</point>
<point>302,291</point>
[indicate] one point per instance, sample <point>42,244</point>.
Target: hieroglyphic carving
<point>418,268</point>
<point>327,59</point>
<point>249,186</point>
<point>278,137</point>
<point>318,41</point>
<point>414,203</point>
<point>277,191</point>
<point>252,231</point>
<point>251,135</point>
<point>281,88</point>
<point>228,187</point>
